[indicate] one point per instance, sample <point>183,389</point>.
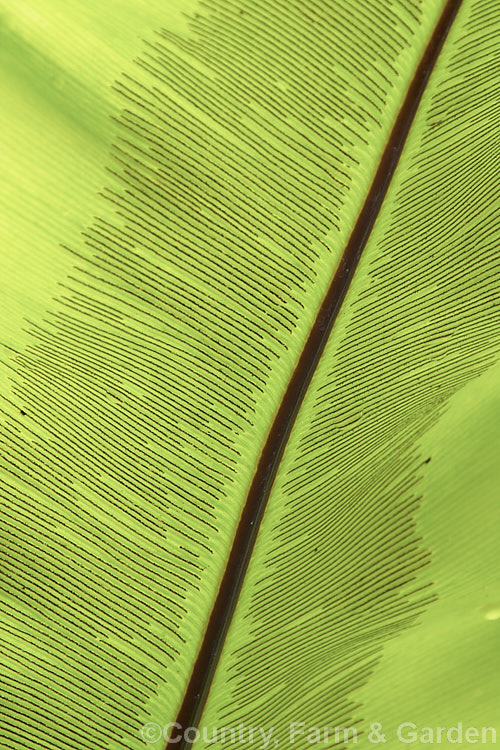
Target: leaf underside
<point>165,272</point>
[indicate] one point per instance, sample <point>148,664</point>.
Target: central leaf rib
<point>255,504</point>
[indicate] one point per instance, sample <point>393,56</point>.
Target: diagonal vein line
<point>267,467</point>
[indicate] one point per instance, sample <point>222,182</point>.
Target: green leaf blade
<point>149,386</point>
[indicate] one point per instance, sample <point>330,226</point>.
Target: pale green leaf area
<point>179,181</point>
<point>59,62</point>
<point>445,670</point>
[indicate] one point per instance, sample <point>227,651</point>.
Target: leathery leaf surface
<point>179,182</point>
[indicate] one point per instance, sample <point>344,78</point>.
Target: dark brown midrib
<point>253,510</point>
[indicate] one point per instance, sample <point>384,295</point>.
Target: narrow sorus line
<point>255,504</point>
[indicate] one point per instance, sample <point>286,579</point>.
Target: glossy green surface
<point>180,181</point>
